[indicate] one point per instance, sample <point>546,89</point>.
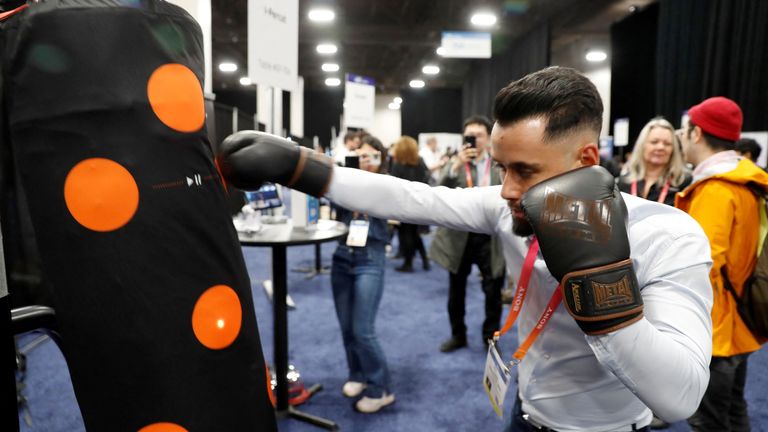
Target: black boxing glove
<point>249,158</point>
<point>580,221</point>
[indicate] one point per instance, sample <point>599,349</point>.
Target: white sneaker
<point>371,405</point>
<point>353,388</point>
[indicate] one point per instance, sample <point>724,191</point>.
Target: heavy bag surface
<point>105,106</point>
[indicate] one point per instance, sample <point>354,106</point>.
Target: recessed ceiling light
<point>417,83</point>
<point>596,56</point>
<point>393,106</point>
<point>440,51</point>
<point>431,70</point>
<point>332,82</point>
<point>245,81</point>
<point>227,67</point>
<point>327,48</point>
<point>330,67</point>
<point>483,19</point>
<point>321,15</point>
<point>398,100</point>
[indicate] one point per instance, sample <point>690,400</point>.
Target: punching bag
<point>104,105</point>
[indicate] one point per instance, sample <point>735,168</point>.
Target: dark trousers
<point>410,243</point>
<point>723,408</point>
<point>518,424</point>
<point>478,252</point>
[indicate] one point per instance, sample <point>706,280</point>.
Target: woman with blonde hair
<point>656,170</point>
<point>409,165</point>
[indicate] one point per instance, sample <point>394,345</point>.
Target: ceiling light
<point>332,82</point>
<point>321,15</point>
<point>245,81</point>
<point>431,70</point>
<point>596,56</point>
<point>398,100</point>
<point>417,83</point>
<point>330,67</point>
<point>227,67</point>
<point>327,48</point>
<point>483,19</point>
<point>440,51</point>
<point>393,106</point>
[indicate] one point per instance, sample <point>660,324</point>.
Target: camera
<point>470,140</point>
<point>352,161</point>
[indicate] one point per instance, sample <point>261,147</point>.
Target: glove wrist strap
<point>603,299</point>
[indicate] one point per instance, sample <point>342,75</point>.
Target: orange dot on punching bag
<point>176,97</point>
<point>163,427</point>
<point>101,194</point>
<point>217,317</point>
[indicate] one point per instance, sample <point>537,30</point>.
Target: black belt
<point>541,428</point>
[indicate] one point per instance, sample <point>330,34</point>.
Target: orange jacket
<point>727,210</point>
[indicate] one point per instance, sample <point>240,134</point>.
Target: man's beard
<point>521,227</point>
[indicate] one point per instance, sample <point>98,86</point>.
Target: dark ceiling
<point>390,40</point>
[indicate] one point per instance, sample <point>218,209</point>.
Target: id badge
<point>358,233</point>
<point>496,379</point>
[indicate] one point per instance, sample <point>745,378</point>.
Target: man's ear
<point>589,154</point>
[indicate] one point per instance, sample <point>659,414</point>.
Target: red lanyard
<point>468,173</point>
<point>517,304</point>
<point>662,195</point>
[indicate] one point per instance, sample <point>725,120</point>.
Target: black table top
<point>286,235</point>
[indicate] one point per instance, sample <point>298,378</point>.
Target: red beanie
<point>718,116</point>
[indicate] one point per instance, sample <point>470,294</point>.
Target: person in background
<point>655,170</point>
<point>357,282</point>
<point>433,160</point>
<point>457,251</point>
<point>352,141</point>
<point>748,148</point>
<point>722,200</point>
<point>410,166</point>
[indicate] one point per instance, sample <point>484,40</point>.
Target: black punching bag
<point>104,104</point>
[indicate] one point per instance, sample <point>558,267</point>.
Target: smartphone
<point>471,140</point>
<point>352,161</point>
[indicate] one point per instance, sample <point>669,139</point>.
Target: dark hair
<point>748,145</point>
<point>567,99</point>
<point>478,119</point>
<point>713,142</point>
<point>349,136</point>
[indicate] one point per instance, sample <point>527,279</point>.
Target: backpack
<point>752,305</point>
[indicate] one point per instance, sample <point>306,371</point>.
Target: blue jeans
<point>357,279</point>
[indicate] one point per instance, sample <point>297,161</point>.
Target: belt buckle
<point>534,423</point>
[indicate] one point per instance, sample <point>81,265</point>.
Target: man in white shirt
<point>432,159</point>
<point>571,379</point>
<point>352,141</point>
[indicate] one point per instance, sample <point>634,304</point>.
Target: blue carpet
<point>435,391</point>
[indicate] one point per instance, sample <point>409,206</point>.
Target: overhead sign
<point>359,101</point>
<point>273,43</point>
<point>621,132</point>
<point>466,44</point>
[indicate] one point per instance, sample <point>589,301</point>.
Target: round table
<point>279,237</point>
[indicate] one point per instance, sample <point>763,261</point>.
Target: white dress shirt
<point>569,381</point>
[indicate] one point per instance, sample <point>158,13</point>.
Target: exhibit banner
<point>461,44</point>
<point>359,101</point>
<point>621,132</point>
<point>273,43</point>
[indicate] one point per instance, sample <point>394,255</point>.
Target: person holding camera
<point>457,251</point>
<point>357,281</point>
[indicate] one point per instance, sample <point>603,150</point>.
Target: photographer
<point>456,251</point>
<point>357,280</point>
